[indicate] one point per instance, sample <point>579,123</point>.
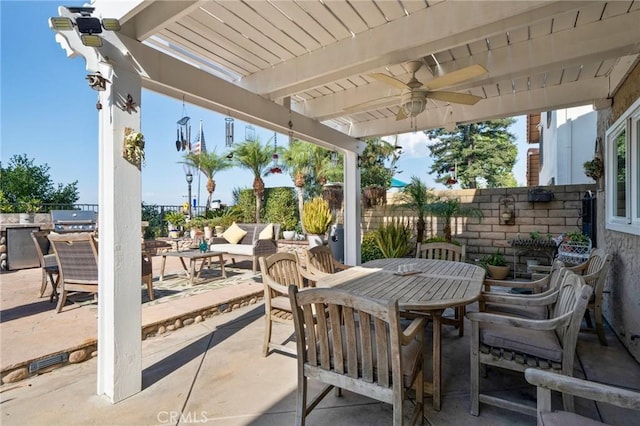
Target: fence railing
<point>159,208</point>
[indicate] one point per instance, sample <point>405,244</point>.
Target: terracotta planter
<point>498,272</point>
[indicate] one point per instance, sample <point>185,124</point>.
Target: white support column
<point>352,217</point>
<point>119,305</point>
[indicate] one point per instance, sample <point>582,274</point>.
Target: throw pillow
<point>234,234</point>
<point>266,233</point>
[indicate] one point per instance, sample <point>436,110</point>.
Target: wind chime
<point>183,132</point>
<point>228,131</point>
<point>275,168</point>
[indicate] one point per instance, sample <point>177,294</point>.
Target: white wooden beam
<point>417,35</point>
<point>165,74</point>
<point>588,43</point>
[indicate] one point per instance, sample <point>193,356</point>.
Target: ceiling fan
<point>413,98</point>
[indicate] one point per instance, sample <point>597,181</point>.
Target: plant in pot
<point>316,218</point>
<point>29,207</point>
<point>496,265</point>
<point>175,220</point>
<point>196,225</point>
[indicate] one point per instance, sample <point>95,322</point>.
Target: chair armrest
<point>340,266</point>
<point>579,268</point>
<point>548,324</point>
<point>583,388</point>
<point>521,300</point>
<point>265,246</point>
<point>217,240</point>
<point>540,268</point>
<point>415,328</point>
<point>279,288</point>
<point>517,284</point>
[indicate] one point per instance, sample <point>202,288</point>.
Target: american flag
<point>199,146</point>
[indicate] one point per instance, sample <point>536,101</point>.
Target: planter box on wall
<point>539,195</point>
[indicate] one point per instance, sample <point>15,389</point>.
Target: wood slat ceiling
<point>321,53</point>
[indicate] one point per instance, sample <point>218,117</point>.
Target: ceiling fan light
<point>413,107</point>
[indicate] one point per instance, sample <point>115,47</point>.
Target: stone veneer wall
<point>621,305</point>
<point>484,236</point>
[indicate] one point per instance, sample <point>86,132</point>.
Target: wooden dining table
<point>424,286</point>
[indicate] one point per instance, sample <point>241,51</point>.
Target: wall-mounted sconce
<point>507,210</point>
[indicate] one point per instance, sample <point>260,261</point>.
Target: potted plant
<point>316,218</point>
<point>29,208</point>
<point>496,265</point>
<point>594,168</point>
<point>175,220</point>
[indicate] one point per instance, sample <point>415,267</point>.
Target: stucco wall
<point>622,297</point>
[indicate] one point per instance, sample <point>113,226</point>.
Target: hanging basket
<point>133,147</point>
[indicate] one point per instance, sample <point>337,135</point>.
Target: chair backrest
<point>442,251</point>
<point>321,258</point>
<point>598,266</point>
<point>281,270</point>
<point>344,339</point>
<point>43,246</point>
<point>571,304</point>
<point>77,257</point>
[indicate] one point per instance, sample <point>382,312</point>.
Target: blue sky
<point>47,111</point>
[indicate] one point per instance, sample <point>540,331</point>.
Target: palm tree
<point>298,161</point>
<point>450,208</point>
<point>417,196</point>
<point>209,163</point>
<point>253,156</point>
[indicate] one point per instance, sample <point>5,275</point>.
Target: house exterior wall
<point>622,290</point>
<point>568,141</point>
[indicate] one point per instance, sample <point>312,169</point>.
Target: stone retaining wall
<point>89,349</point>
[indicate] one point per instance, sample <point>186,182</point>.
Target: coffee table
<point>194,256</point>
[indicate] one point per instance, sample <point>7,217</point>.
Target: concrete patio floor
<point>213,372</point>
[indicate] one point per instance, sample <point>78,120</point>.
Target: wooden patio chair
<point>454,253</point>
<point>547,381</point>
<point>594,272</point>
<point>77,257</point>
<point>516,343</point>
<point>278,272</point>
<point>356,343</point>
<point>532,306</point>
<point>319,262</point>
<point>48,263</point>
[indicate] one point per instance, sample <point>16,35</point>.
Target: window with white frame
<point>622,172</point>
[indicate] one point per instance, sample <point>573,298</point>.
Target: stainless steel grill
<point>65,221</point>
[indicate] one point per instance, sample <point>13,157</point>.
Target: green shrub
<point>151,214</point>
<point>370,250</point>
<point>245,205</point>
<point>440,240</point>
<point>393,238</point>
<point>281,206</point>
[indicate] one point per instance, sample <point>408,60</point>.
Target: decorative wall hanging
<point>133,147</point>
<point>129,106</point>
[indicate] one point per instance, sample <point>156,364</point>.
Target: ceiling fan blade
<point>390,80</point>
<point>401,115</point>
<point>454,97</point>
<point>456,77</point>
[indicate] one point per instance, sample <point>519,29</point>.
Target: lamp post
<point>189,177</point>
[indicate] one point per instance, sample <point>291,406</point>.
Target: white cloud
<point>414,144</point>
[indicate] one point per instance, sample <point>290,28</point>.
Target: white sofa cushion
<point>239,249</point>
